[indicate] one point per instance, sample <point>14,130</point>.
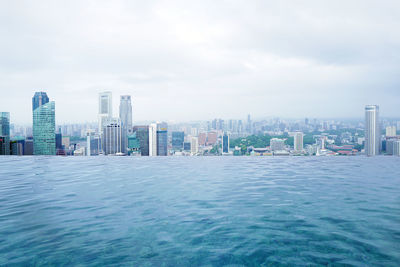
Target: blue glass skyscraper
<point>44,138</point>
<point>40,98</point>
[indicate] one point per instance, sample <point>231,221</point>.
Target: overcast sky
<point>190,60</point>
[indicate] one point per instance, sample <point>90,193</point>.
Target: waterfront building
<point>66,142</point>
<point>396,148</point>
<point>44,139</point>
<point>125,112</point>
<point>105,109</point>
<point>153,139</point>
<point>4,133</point>
<point>372,130</point>
<point>114,138</point>
<point>133,144</point>
<point>187,146</point>
<point>162,139</point>
<point>17,146</point>
<point>194,145</point>
<point>142,133</point>
<point>4,123</point>
<point>298,141</point>
<point>277,144</point>
<point>212,138</point>
<point>39,98</point>
<point>4,145</point>
<point>177,140</point>
<point>390,143</point>
<point>202,138</point>
<point>225,143</point>
<point>391,131</point>
<point>28,151</point>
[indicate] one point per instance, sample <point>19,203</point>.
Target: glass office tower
<point>44,137</point>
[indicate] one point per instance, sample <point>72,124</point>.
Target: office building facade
<point>113,138</point>
<point>225,143</point>
<point>162,139</point>
<point>298,141</point>
<point>44,138</point>
<point>142,133</point>
<point>372,130</point>
<point>125,112</point>
<point>177,140</point>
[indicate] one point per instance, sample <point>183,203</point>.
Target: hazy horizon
<point>195,61</point>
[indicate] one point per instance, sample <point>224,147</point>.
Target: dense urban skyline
<point>204,58</point>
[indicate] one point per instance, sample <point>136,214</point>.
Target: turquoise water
<point>199,211</point>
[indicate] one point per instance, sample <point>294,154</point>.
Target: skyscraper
<point>153,139</point>
<point>105,109</point>
<point>177,140</point>
<point>194,145</point>
<point>4,133</point>
<point>142,133</point>
<point>4,123</point>
<point>391,131</point>
<point>125,112</point>
<point>40,98</point>
<point>372,130</point>
<point>298,141</point>
<point>225,143</point>
<point>44,137</point>
<point>114,138</point>
<point>162,139</point>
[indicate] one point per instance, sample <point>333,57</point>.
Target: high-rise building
<point>396,148</point>
<point>114,138</point>
<point>4,133</point>
<point>177,140</point>
<point>194,145</point>
<point>44,126</point>
<point>4,123</point>
<point>202,138</point>
<point>372,130</point>
<point>391,131</point>
<point>153,139</point>
<point>249,128</point>
<point>225,143</point>
<point>125,112</point>
<point>162,139</point>
<point>142,133</point>
<point>40,98</point>
<point>298,141</point>
<point>105,109</point>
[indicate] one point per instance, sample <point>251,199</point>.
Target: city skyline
<point>217,59</point>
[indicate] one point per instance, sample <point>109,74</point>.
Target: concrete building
<point>225,143</point>
<point>142,134</point>
<point>177,140</point>
<point>396,148</point>
<point>125,112</point>
<point>298,141</point>
<point>153,139</point>
<point>277,144</point>
<point>372,130</point>
<point>114,137</point>
<point>194,145</point>
<point>391,131</point>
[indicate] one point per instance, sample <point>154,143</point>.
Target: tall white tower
<point>298,141</point>
<point>105,109</point>
<point>125,112</point>
<point>372,130</point>
<point>153,139</point>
